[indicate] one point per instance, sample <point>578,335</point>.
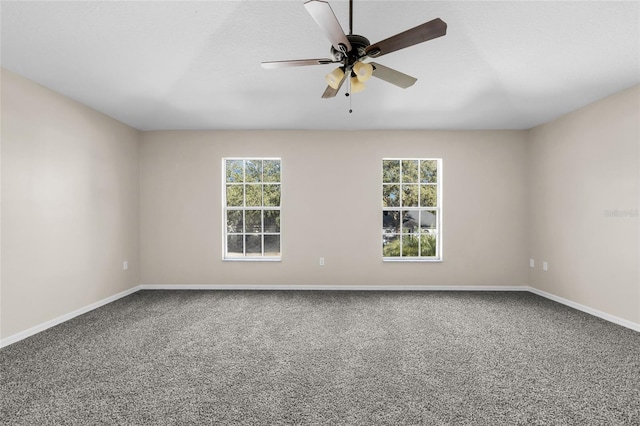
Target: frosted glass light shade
<point>363,71</point>
<point>334,78</point>
<point>357,85</point>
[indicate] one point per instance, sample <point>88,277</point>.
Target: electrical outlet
<point>532,263</point>
<point>545,266</point>
<point>322,261</point>
<point>125,265</point>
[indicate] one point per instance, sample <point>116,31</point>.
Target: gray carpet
<point>333,358</point>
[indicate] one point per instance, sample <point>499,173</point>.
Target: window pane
<point>254,195</point>
<point>250,206</point>
<point>391,221</point>
<point>428,220</point>
<point>253,244</point>
<point>428,171</point>
<point>234,245</point>
<point>409,245</point>
<point>272,245</point>
<point>410,221</point>
<point>271,170</point>
<point>390,196</point>
<point>253,171</point>
<point>271,221</point>
<point>410,195</point>
<point>272,195</point>
<point>428,245</point>
<point>428,196</point>
<point>235,195</point>
<point>411,208</point>
<point>390,171</point>
<point>391,245</point>
<point>234,221</point>
<point>410,171</point>
<point>234,171</point>
<point>253,221</point>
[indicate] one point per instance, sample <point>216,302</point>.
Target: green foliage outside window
<point>410,246</point>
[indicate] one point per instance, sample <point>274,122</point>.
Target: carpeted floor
<point>331,358</point>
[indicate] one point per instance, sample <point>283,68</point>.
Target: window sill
<point>405,259</point>
<point>251,259</point>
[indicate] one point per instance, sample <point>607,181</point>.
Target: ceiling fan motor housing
<point>358,45</point>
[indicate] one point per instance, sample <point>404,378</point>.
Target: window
<point>251,200</point>
<point>411,209</point>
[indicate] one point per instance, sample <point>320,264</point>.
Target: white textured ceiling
<point>196,65</point>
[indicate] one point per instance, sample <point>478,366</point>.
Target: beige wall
<point>69,205</point>
<point>581,167</point>
<point>332,207</point>
<point>82,192</point>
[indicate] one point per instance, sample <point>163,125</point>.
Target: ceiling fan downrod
<point>350,17</point>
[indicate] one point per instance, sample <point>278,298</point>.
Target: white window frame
<point>225,229</point>
<point>438,209</point>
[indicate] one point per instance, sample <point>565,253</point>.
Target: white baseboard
<point>41,327</point>
<point>66,317</point>
<point>330,287</point>
<point>591,311</point>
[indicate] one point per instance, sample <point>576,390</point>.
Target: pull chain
<point>348,94</point>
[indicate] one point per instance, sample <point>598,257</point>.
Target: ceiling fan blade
<point>330,92</point>
<point>297,63</point>
<point>322,13</point>
<point>425,32</point>
<point>392,76</point>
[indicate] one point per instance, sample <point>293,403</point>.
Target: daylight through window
<point>251,200</point>
<point>411,209</point>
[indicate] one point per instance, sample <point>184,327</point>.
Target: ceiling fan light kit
<point>334,78</point>
<point>351,50</point>
<point>363,70</point>
<point>356,85</point>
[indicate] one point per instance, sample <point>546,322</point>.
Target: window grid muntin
<point>244,208</point>
<point>400,182</point>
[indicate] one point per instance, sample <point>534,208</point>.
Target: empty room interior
<point>436,221</point>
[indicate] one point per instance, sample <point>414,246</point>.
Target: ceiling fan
<point>351,50</point>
